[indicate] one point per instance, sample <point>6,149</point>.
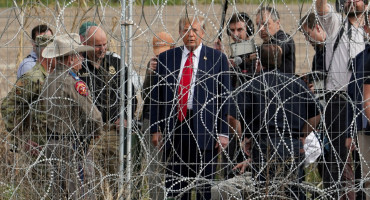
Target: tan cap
<point>65,45</point>
<point>162,42</point>
<point>43,40</point>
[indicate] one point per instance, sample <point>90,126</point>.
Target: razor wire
<point>24,175</point>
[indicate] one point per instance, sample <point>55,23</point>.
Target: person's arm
<point>94,121</point>
<point>235,125</point>
<point>157,109</point>
<point>322,7</point>
<point>225,88</point>
<point>311,125</point>
<point>367,101</point>
<point>15,108</point>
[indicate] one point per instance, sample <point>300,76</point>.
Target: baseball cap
<point>162,42</point>
<point>84,26</point>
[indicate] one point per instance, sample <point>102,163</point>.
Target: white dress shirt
<point>184,57</point>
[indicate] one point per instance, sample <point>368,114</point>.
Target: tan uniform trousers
<point>71,171</point>
<point>105,150</point>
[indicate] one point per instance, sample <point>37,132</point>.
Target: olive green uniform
<point>20,112</point>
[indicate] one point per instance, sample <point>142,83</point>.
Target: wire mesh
<point>60,130</point>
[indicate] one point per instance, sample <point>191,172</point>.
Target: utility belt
<point>58,137</point>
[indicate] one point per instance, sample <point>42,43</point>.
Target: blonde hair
<point>190,20</point>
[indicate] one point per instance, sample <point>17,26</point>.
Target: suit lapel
<point>202,63</point>
<point>177,63</point>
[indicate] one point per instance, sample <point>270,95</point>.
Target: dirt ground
<point>15,38</point>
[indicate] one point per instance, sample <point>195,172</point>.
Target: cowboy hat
<point>65,45</point>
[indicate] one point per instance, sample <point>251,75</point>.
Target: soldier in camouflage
<point>18,109</point>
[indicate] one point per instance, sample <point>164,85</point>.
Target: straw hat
<point>65,45</point>
<point>162,42</point>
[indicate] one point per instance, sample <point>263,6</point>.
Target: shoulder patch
<point>81,88</point>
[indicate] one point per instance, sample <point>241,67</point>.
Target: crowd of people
<point>250,108</point>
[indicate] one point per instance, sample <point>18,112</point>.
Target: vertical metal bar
<point>122,101</point>
<point>129,97</point>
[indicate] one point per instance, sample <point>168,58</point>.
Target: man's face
<point>315,35</point>
<point>48,32</point>
<point>238,31</point>
<point>76,61</point>
<point>99,43</point>
<point>354,6</point>
<point>267,27</point>
<point>192,35</point>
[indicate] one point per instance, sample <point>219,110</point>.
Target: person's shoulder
<point>26,65</point>
<point>284,36</point>
<point>209,51</point>
<point>169,54</point>
<point>36,74</point>
<point>112,55</point>
<point>112,59</point>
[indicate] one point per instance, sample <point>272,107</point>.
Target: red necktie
<point>184,87</point>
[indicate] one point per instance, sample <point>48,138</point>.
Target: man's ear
<point>278,22</point>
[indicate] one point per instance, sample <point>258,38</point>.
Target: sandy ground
<point>15,38</point>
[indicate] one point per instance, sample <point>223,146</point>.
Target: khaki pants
<point>71,170</point>
<point>105,150</point>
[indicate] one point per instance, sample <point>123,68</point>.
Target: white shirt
<point>339,74</point>
<point>184,57</point>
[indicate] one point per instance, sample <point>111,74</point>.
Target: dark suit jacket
<point>210,99</point>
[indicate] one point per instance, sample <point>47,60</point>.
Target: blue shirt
<point>27,64</point>
<point>276,103</point>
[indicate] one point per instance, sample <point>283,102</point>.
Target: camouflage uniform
<point>73,120</point>
<point>19,112</point>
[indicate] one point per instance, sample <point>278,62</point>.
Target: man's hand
<point>246,145</point>
<point>32,147</point>
<point>224,141</point>
<point>218,45</point>
<point>232,63</point>
<point>153,64</point>
<point>117,123</point>
<point>241,166</point>
<point>157,139</point>
<point>350,146</point>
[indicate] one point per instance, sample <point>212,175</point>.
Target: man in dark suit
<point>188,111</point>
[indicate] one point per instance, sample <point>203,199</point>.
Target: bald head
<point>96,38</point>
